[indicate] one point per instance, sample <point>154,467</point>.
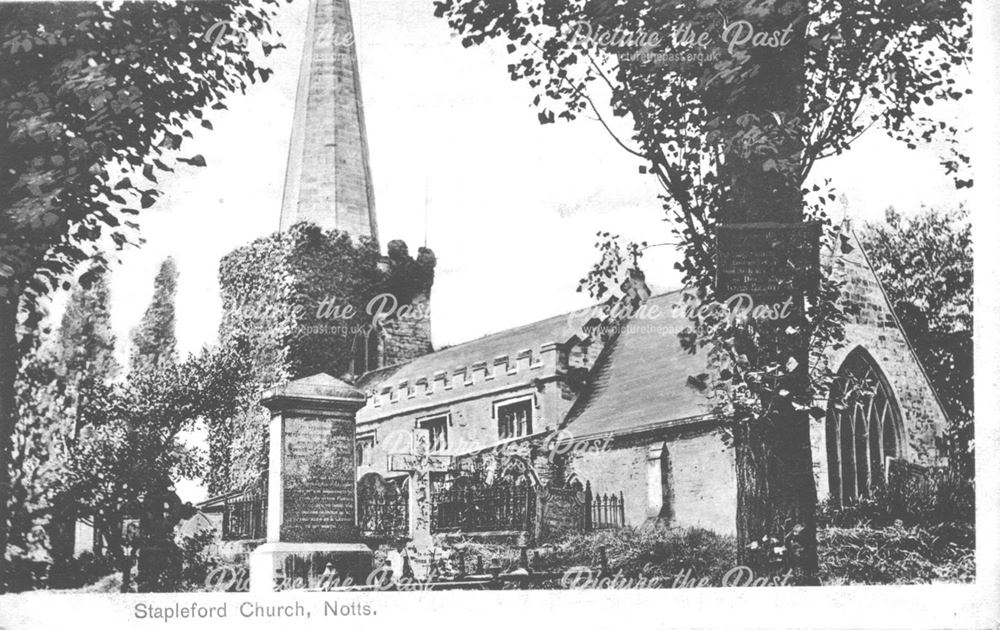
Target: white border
<point>915,607</point>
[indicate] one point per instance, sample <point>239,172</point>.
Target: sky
<point>460,162</point>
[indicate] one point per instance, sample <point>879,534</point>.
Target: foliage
<point>154,340</point>
<point>30,561</point>
<point>79,571</point>
<point>648,551</point>
<point>653,552</point>
<point>288,295</point>
<point>731,131</point>
<point>864,64</point>
<point>96,99</point>
<point>896,555</point>
<point>54,382</point>
<point>950,500</point>
<point>199,555</point>
<point>131,446</point>
<point>925,265</point>
<point>83,352</point>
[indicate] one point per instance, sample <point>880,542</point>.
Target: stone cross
<point>420,463</point>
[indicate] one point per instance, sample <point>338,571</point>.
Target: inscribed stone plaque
<point>767,261</point>
<point>319,480</point>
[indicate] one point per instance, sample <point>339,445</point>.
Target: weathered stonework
<point>872,325</point>
<point>311,487</point>
<point>685,479</point>
<point>328,181</point>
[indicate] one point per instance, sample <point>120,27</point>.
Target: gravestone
<point>420,463</point>
<point>311,487</point>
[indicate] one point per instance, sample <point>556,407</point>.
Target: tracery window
<point>863,427</point>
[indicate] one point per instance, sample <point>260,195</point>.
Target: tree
<point>84,350</point>
<point>154,340</point>
<point>729,107</point>
<point>95,100</point>
<point>925,265</point>
<point>130,453</point>
<point>55,380</point>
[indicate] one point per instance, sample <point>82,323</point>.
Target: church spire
<point>328,181</point>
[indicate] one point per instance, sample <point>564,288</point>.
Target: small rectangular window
<point>363,448</point>
<point>438,429</point>
<point>514,419</point>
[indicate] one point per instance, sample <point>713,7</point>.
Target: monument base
<point>284,566</point>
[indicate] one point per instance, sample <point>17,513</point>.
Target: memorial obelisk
<point>311,488</point>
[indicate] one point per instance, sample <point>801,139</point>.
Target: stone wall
<point>472,426</point>
<point>405,338</point>
<point>872,326</point>
<point>697,468</point>
<point>703,482</point>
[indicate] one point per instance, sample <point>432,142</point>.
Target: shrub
<point>897,554</point>
<point>27,569</point>
<point>935,498</point>
<point>80,571</point>
<point>199,556</point>
<point>649,552</point>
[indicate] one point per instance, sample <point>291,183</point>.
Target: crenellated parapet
<point>547,362</point>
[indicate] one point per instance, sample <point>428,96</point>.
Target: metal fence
<point>605,511</point>
<point>244,517</point>
<point>501,507</point>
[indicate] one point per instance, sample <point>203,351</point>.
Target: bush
<point>864,512</point>
<point>649,552</point>
<point>938,498</point>
<point>199,555</point>
<point>80,571</point>
<point>897,554</point>
<point>27,568</point>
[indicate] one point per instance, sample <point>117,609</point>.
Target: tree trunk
<point>8,418</point>
<point>776,493</point>
<point>776,498</point>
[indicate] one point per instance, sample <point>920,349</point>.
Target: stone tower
<point>278,292</point>
<point>328,180</point>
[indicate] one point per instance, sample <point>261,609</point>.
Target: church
<point>624,414</point>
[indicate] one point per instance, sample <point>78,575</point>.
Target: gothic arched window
<point>863,427</point>
<point>367,351</point>
<point>374,350</point>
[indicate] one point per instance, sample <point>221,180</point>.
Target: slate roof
<point>641,380</point>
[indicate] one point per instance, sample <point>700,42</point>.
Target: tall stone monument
<point>311,488</point>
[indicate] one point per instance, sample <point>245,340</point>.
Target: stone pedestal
<point>301,566</point>
<point>311,528</point>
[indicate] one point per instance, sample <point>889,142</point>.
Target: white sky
<point>512,206</point>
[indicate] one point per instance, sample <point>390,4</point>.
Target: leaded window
<point>863,427</point>
<point>514,419</point>
<point>437,427</point>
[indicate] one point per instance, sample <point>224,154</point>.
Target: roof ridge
<point>528,324</point>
